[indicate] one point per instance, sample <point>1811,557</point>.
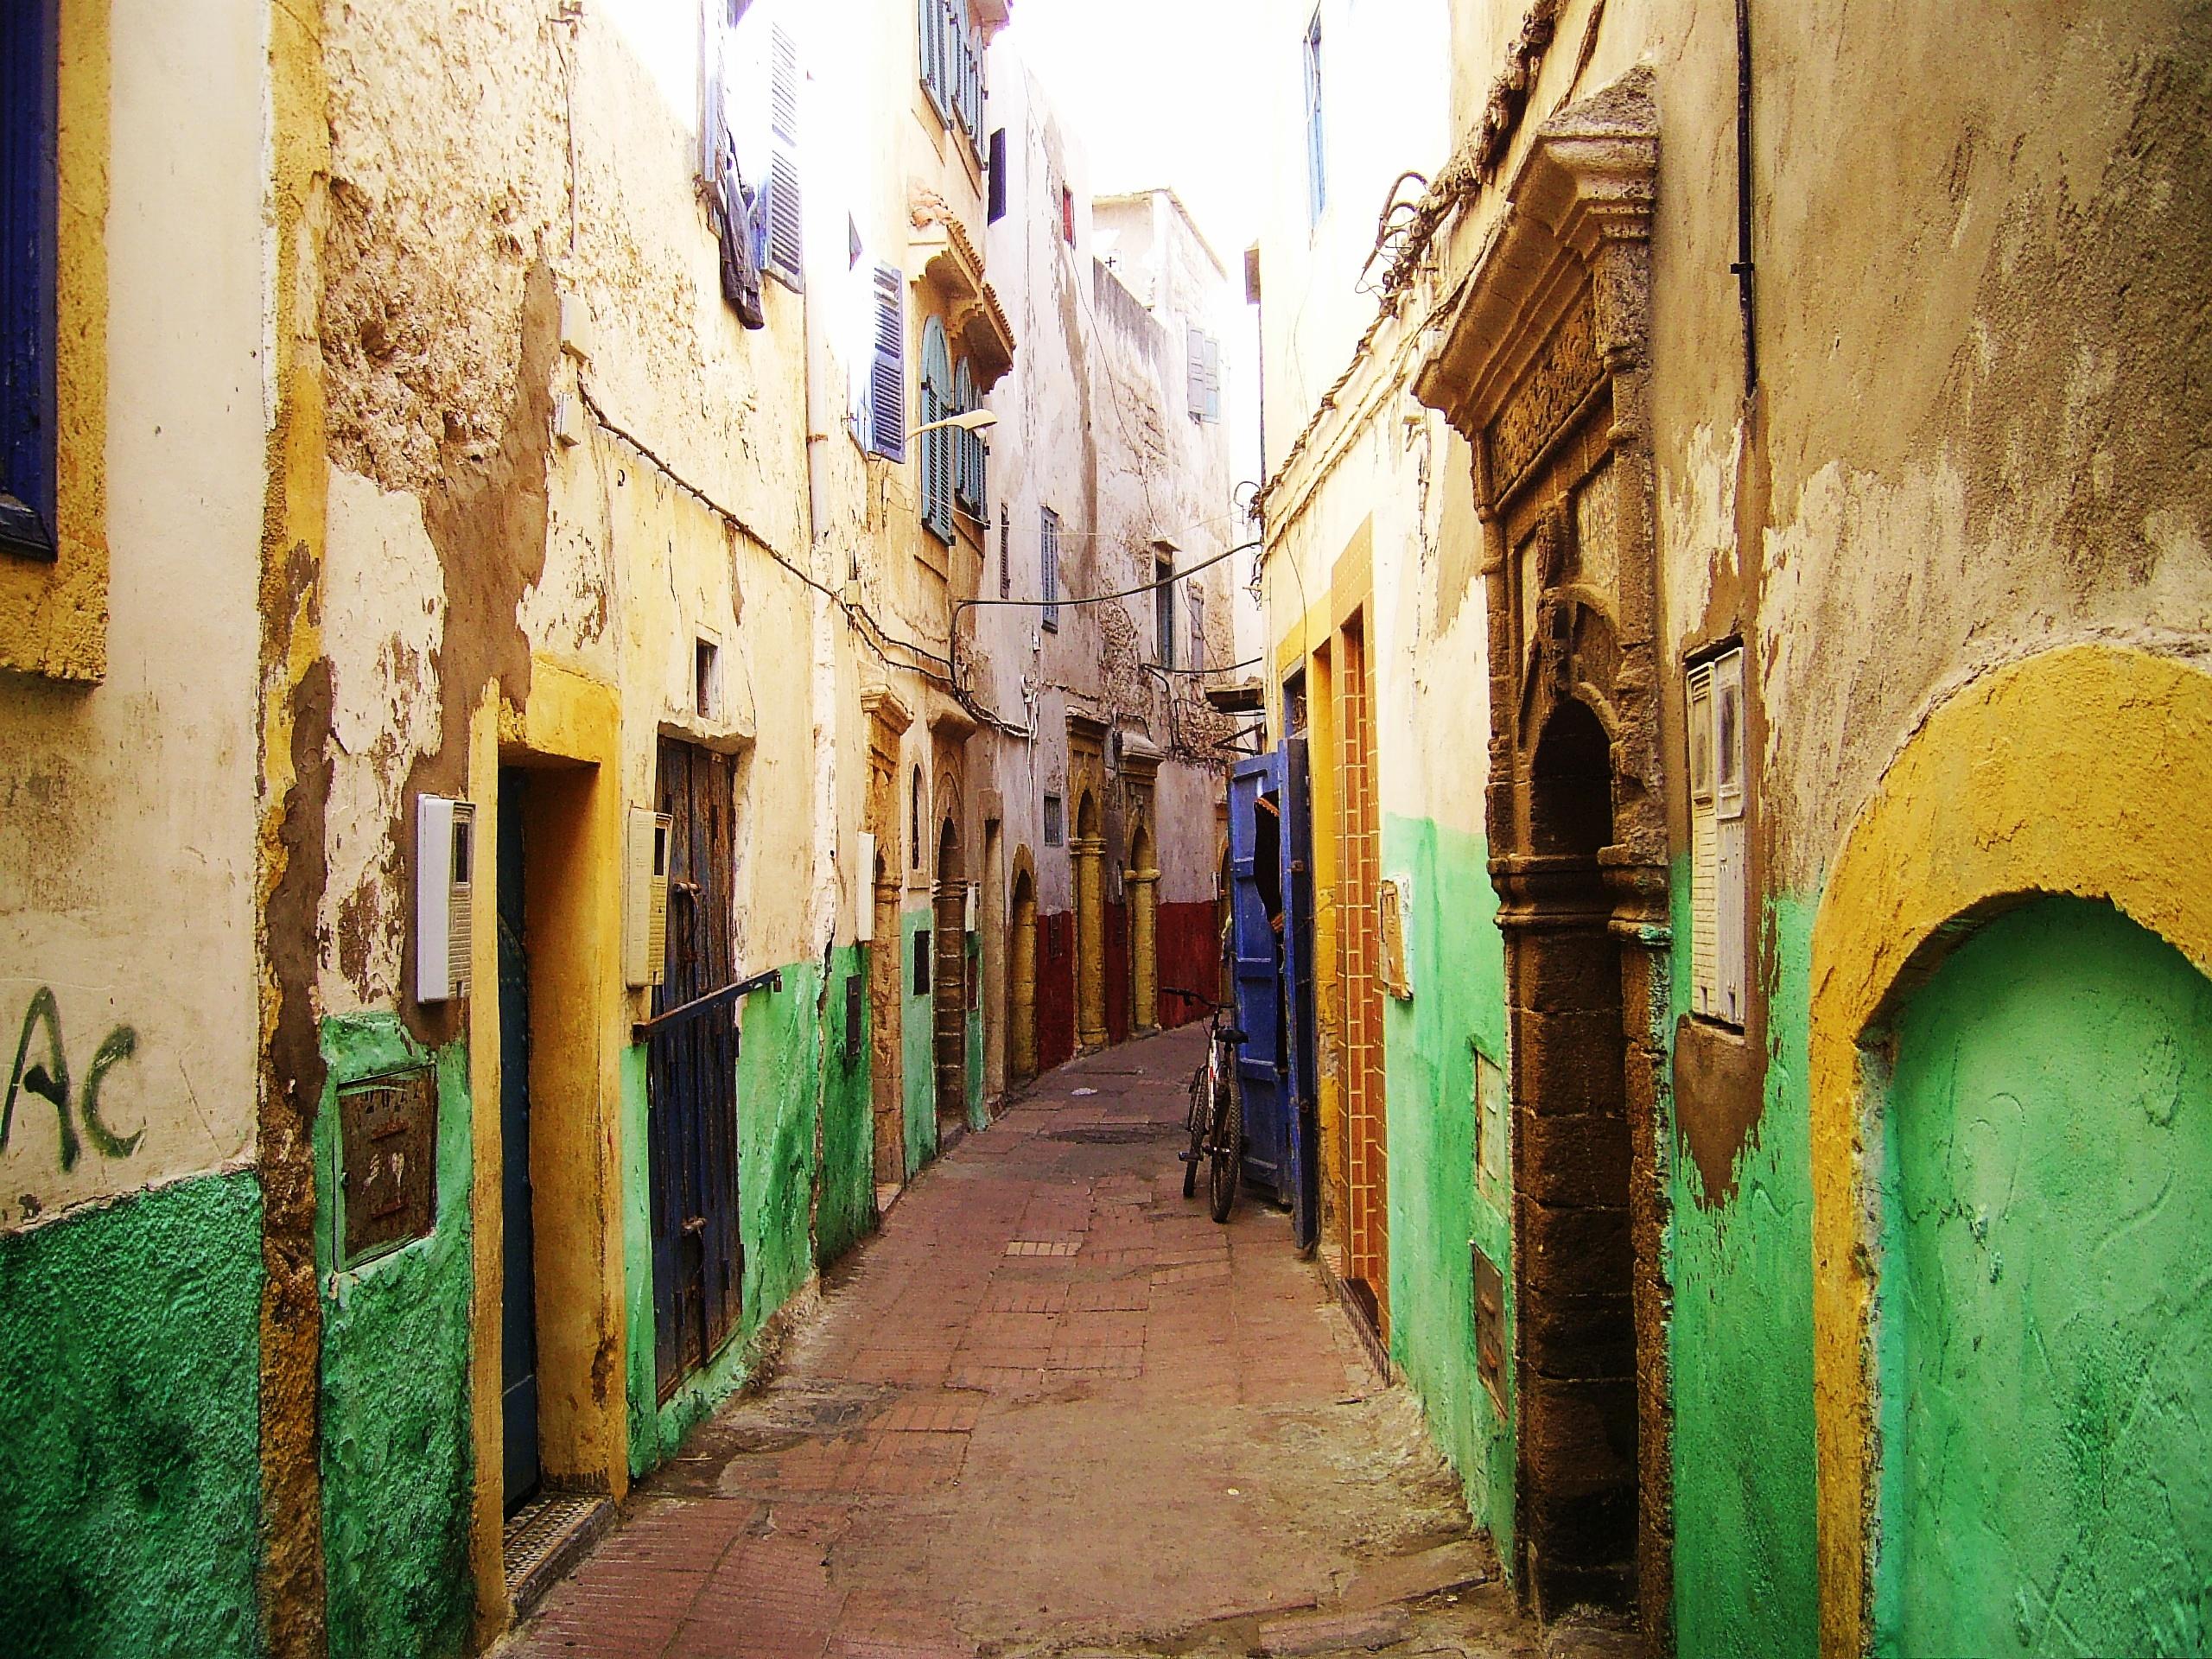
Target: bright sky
<point>1163,92</point>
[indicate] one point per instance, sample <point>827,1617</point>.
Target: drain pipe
<point>1742,266</point>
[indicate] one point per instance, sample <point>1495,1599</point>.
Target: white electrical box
<point>644,898</point>
<point>864,890</point>
<point>445,837</point>
<point>970,923</point>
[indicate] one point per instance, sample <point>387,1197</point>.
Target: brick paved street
<point>1054,1409</point>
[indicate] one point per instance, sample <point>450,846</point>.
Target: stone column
<point>1144,949</point>
<point>1089,854</point>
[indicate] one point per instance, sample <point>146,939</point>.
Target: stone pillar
<point>1144,949</point>
<point>1089,854</point>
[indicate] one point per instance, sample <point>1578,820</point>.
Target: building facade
<point>1836,623</point>
<point>513,821</point>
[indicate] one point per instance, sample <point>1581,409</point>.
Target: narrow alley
<point>1054,1408</point>
<point>660,658</point>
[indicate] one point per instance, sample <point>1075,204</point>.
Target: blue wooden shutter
<point>26,252</point>
<point>784,256</point>
<point>937,446</point>
<point>888,376</point>
<point>968,467</point>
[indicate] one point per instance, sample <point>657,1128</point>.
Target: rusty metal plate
<point>389,1128</point>
<point>1490,1328</point>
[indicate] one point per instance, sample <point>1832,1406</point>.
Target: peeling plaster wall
<point>131,1220</point>
<point>1974,343</point>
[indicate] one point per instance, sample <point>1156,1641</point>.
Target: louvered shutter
<point>1213,379</point>
<point>1194,383</point>
<point>937,446</point>
<point>887,378</point>
<point>784,255</point>
<point>1048,568</point>
<point>968,465</point>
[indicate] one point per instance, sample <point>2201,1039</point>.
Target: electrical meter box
<point>445,860</point>
<point>644,898</point>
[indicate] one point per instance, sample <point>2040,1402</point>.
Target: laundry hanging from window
<point>740,228</point>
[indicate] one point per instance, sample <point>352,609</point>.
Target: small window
<point>922,962</point>
<point>1252,274</point>
<point>1163,607</point>
<point>1055,826</point>
<point>1048,569</point>
<point>914,824</point>
<point>707,679</point>
<point>1202,382</point>
<point>1067,215</point>
<point>998,175</point>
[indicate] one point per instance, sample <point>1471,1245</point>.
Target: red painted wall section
<point>1055,989</point>
<point>1117,973</point>
<point>1190,958</point>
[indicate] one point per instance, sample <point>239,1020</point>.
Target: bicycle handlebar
<point>1193,996</point>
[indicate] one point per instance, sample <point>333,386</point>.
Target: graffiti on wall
<point>42,1070</point>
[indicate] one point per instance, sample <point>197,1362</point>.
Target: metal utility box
<point>388,1129</point>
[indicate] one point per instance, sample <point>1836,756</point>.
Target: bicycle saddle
<point>1229,1034</point>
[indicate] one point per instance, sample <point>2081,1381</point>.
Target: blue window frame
<point>28,246</point>
<point>1317,173</point>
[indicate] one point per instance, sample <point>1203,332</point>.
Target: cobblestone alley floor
<point>1054,1409</point>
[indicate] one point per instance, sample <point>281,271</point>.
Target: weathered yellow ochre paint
<point>2083,771</point>
<point>54,617</point>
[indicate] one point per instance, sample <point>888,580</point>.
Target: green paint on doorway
<point>845,1210</point>
<point>1455,960</point>
<point>397,1453</point>
<point>2044,1308</point>
<point>918,1062</point>
<point>1741,1343</point>
<point>129,1382</point>
<point>780,1088</point>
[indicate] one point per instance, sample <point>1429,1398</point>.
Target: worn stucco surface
<point>131,1468</point>
<point>2046,1346</point>
<point>397,1453</point>
<point>1456,960</point>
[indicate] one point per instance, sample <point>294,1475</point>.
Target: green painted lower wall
<point>917,1060</point>
<point>129,1382</point>
<point>396,1453</point>
<point>1456,963</point>
<point>2043,1303</point>
<point>1742,1348</point>
<point>845,1208</point>
<point>781,1086</point>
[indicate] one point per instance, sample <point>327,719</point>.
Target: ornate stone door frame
<point>1544,368</point>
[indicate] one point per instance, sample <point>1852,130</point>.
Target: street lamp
<point>975,420</point>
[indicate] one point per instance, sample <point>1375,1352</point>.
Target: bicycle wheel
<point>1227,1167</point>
<point>1201,1119</point>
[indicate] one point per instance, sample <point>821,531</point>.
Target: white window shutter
<point>1213,379</point>
<point>1195,374</point>
<point>1730,860</point>
<point>784,253</point>
<point>1704,847</point>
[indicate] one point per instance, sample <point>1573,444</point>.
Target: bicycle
<point>1215,1120</point>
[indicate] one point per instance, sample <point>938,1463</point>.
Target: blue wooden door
<point>518,1287</point>
<point>691,1075</point>
<point>1301,1115</point>
<point>1255,903</point>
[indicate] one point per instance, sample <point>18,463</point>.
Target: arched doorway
<point>1142,882</point>
<point>886,1095</point>
<point>2046,1378</point>
<point>1574,1251</point>
<point>1088,850</point>
<point>948,983</point>
<point>1021,975</point>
